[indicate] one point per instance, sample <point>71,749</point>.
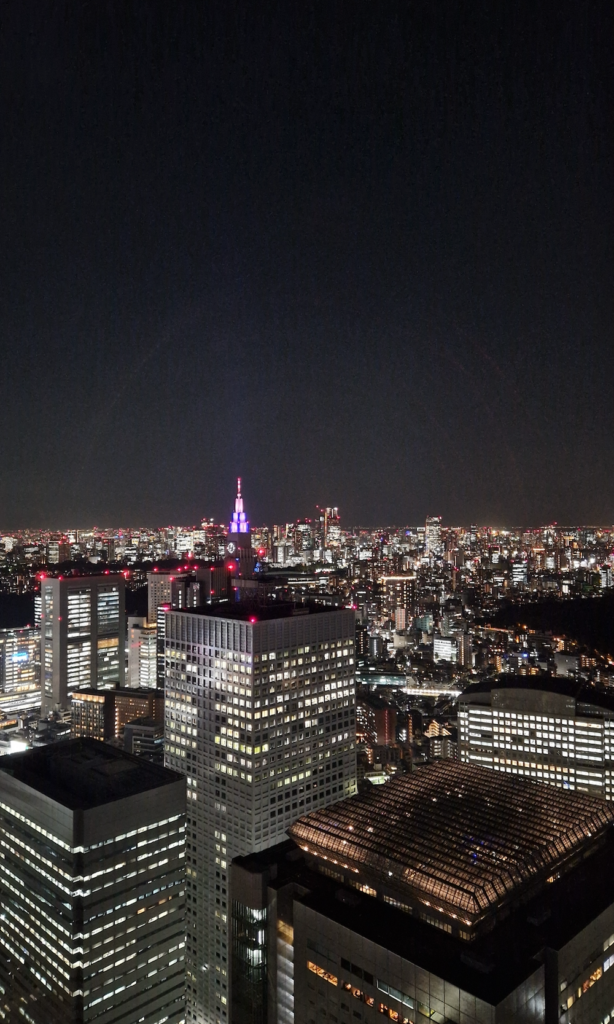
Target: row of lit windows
<point>94,846</point>
<point>364,997</point>
<point>550,724</point>
<point>520,716</point>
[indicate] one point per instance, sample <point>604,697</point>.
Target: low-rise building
<point>103,714</point>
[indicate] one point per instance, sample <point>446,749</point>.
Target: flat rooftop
<point>248,611</point>
<point>83,773</point>
<point>583,693</point>
<point>461,839</point>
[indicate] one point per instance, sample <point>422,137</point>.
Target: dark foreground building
<point>453,894</point>
<point>92,927</point>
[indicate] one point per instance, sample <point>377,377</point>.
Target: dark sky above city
<point>358,253</point>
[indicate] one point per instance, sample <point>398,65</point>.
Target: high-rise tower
<point>434,546</point>
<point>92,883</point>
<point>260,717</point>
<point>239,542</point>
<point>83,629</point>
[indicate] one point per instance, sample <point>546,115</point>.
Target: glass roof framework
<point>459,838</point>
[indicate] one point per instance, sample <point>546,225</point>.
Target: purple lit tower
<point>239,542</point>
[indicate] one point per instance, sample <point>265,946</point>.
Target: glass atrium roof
<point>459,838</point>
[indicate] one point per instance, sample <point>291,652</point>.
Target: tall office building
<point>398,592</point>
<point>161,644</point>
<point>557,730</point>
<point>92,884</point>
<point>519,572</point>
<point>260,717</point>
<point>20,687</point>
<point>83,628</point>
<point>103,714</point>
<point>58,551</point>
<point>141,652</point>
<point>177,589</point>
<point>432,536</point>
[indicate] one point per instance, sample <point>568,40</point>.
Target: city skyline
<point>122,526</point>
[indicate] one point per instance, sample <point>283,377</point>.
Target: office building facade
<point>92,882</point>
<point>103,714</point>
<point>398,592</point>
<point>554,730</point>
<point>176,589</point>
<point>432,537</point>
<point>142,648</point>
<point>260,717</point>
<point>83,628</point>
<point>20,688</point>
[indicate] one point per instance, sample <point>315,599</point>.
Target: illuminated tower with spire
<point>239,541</point>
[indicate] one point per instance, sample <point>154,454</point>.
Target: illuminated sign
<point>21,656</point>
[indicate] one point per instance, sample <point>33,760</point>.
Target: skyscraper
<point>260,717</point>
<point>172,589</point>
<point>239,542</point>
<point>432,536</point>
<point>177,589</point>
<point>141,652</point>
<point>92,883</point>
<point>20,688</point>
<point>82,636</point>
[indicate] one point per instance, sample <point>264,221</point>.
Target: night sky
<point>358,253</point>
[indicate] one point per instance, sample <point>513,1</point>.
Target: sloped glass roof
<point>461,838</point>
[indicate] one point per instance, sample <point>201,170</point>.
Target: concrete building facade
<point>20,687</point>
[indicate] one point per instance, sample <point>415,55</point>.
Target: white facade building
<point>550,729</point>
<point>260,717</point>
<point>83,627</point>
<point>445,648</point>
<point>142,637</point>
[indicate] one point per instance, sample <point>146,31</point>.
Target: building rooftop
<point>490,966</point>
<point>460,839</point>
<point>83,773</point>
<point>493,964</point>
<point>578,690</point>
<point>248,611</point>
